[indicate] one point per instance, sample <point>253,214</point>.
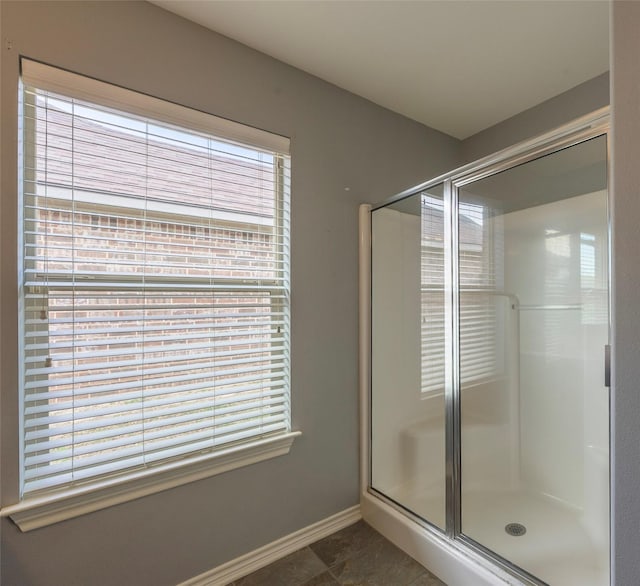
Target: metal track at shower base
<point>503,569</point>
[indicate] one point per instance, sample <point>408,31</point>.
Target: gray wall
<point>338,141</point>
<point>625,78</point>
<point>578,101</point>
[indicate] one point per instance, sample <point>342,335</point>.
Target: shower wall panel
<point>558,268</point>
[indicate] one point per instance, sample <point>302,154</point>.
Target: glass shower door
<point>408,354</point>
<point>533,313</point>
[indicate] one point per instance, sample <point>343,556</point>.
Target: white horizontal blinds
<point>481,305</point>
<point>432,291</point>
<point>156,300</point>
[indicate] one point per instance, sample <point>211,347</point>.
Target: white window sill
<point>39,512</point>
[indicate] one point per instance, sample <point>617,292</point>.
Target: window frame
<point>39,510</point>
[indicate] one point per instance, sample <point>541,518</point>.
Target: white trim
<point>364,355</point>
<point>46,510</point>
<point>263,556</point>
<point>85,88</point>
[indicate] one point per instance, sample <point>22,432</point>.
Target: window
<point>154,283</point>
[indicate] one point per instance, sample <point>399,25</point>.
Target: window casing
<point>154,283</point>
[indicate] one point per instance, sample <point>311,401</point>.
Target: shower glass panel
<point>408,354</point>
<point>533,325</point>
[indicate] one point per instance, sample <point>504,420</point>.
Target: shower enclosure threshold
<point>555,546</point>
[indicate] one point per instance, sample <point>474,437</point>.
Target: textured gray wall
<point>625,100</point>
<point>338,141</point>
<point>578,101</point>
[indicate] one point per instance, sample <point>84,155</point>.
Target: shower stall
<point>484,365</point>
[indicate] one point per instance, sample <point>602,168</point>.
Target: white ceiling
<point>456,65</point>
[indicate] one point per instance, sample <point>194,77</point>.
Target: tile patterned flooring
<point>355,556</point>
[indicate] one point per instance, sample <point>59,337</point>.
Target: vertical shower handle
<point>607,365</point>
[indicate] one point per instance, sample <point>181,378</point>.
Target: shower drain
<point>515,529</point>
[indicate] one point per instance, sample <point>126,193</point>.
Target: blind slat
<point>77,446</point>
<point>37,435</point>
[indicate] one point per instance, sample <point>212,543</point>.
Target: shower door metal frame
<point>578,131</point>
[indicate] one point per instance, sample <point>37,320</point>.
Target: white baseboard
<point>263,556</point>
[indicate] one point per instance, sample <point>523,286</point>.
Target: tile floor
<point>355,556</point>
